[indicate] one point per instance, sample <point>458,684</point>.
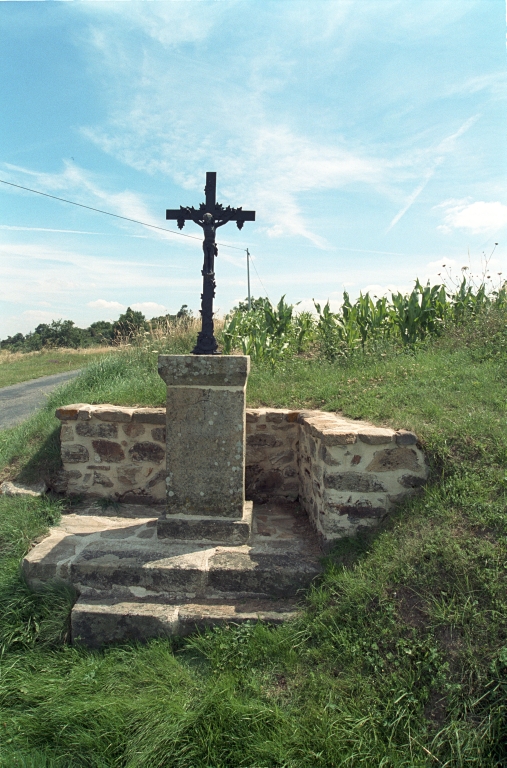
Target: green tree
<point>13,343</point>
<point>129,324</point>
<point>59,333</point>
<point>101,332</point>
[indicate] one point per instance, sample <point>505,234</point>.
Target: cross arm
<point>180,215</point>
<point>222,215</point>
<point>234,214</point>
<point>240,215</point>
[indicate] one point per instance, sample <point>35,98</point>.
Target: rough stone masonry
<point>346,474</point>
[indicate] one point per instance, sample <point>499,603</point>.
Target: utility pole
<point>248,276</point>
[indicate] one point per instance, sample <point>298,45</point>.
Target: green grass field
<point>16,367</point>
<point>399,657</point>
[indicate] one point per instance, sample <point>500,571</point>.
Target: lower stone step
<point>107,620</point>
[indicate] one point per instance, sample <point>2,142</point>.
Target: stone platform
<point>135,585</point>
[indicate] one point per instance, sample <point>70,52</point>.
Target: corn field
<point>269,333</point>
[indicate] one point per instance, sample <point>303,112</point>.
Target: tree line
<point>65,333</point>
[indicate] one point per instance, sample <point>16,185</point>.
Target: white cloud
<point>167,119</point>
<point>149,308</point>
<point>38,316</point>
<point>479,217</point>
<point>169,23</point>
<point>103,304</point>
<point>378,290</point>
<point>25,321</point>
<point>494,82</point>
<point>47,229</point>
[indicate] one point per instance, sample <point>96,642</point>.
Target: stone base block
<point>219,530</point>
<point>97,622</point>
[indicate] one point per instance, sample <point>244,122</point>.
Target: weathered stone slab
<point>75,454</point>
<point>71,412</point>
<point>214,529</point>
<point>205,434</point>
<point>97,622</point>
<point>18,489</point>
<point>108,450</point>
<point>394,458</point>
<point>276,574</point>
<point>149,415</point>
<point>86,429</point>
<point>204,370</point>
<point>403,437</point>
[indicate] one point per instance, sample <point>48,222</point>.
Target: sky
<point>368,136</point>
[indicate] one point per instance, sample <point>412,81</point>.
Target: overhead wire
<point>116,215</point>
<point>260,281</point>
<point>126,218</point>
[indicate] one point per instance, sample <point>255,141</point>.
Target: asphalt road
<point>19,401</point>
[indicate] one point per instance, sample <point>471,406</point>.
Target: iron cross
<point>210,215</point>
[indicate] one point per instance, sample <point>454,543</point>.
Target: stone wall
<point>272,444</point>
<point>346,474</point>
<point>113,452</point>
<point>351,473</point>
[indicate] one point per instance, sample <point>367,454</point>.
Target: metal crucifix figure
<point>210,215</point>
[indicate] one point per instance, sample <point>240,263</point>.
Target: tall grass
<point>399,657</point>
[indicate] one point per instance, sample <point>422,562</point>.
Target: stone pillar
<point>205,440</point>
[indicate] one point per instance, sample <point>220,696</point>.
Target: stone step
<point>151,586</point>
<point>173,568</point>
<point>183,569</point>
<point>106,620</point>
<point>106,508</point>
<point>220,530</point>
<point>263,572</point>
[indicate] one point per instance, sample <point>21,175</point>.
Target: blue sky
<point>369,136</point>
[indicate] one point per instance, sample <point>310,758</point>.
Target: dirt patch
<point>436,710</point>
<point>451,643</point>
<point>411,608</point>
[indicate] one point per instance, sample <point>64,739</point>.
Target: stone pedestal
<point>205,445</point>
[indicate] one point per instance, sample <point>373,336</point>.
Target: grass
<point>400,655</point>
<point>16,367</point>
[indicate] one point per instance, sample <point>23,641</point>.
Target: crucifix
<point>210,215</point>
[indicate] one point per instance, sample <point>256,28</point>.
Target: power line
<point>116,216</point>
<point>260,281</point>
<point>126,218</point>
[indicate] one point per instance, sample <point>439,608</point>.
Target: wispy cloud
<point>494,82</point>
<point>34,270</point>
<point>82,187</point>
<point>227,123</point>
<point>48,229</point>
<point>149,308</point>
<point>445,147</point>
